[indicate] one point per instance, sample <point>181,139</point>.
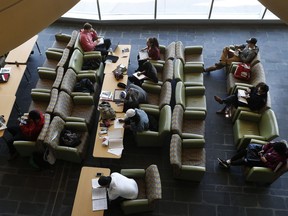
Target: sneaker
<point>218,99</point>
<point>223,163</point>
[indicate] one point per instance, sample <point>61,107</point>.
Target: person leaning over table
<point>119,186</point>
<point>89,40</point>
<point>153,51</point>
<point>133,96</point>
<point>270,156</point>
<point>242,53</point>
<point>27,129</point>
<point>136,120</point>
<point>256,98</point>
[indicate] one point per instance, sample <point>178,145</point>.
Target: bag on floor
<point>243,71</point>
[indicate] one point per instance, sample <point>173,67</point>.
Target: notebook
<point>112,58</point>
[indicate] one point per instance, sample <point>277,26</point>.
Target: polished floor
<point>50,192</point>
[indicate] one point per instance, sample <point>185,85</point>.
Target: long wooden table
<point>20,54</point>
<point>83,200</point>
<point>110,84</point>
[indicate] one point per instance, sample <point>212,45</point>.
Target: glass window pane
<point>269,15</point>
<point>127,9</point>
<point>84,9</point>
<point>183,9</point>
<point>235,9</point>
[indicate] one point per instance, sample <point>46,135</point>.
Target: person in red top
<point>29,128</point>
<point>270,156</point>
<point>90,41</point>
<point>153,52</point>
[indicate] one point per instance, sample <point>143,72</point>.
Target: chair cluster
<point>181,119</point>
<point>54,95</point>
<point>253,127</point>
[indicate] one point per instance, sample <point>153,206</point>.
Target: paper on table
<point>117,151</point>
<point>99,204</point>
<point>99,193</point>
<point>115,134</point>
<point>117,124</point>
<point>95,183</point>
<point>115,143</point>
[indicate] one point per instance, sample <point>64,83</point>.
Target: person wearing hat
<point>119,185</point>
<point>136,120</point>
<point>237,53</point>
<point>133,96</point>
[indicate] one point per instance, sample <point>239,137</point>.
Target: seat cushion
<point>193,156</point>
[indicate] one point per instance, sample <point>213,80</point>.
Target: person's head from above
<point>281,147</point>
<point>34,115</point>
<point>262,88</point>
<point>104,181</point>
<point>87,26</point>
<point>251,42</point>
<point>123,95</point>
<point>133,115</point>
<point>152,42</point>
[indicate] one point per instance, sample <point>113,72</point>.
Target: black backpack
<point>84,85</point>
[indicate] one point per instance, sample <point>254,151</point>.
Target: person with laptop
<point>237,53</point>
<point>90,40</point>
<point>152,52</point>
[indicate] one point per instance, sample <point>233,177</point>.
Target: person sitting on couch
<point>256,98</point>
<point>133,96</point>
<point>240,53</point>
<point>136,120</point>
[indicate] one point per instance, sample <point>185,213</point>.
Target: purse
<point>106,111</point>
<point>243,71</point>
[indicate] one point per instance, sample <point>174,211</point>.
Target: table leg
<point>38,48</point>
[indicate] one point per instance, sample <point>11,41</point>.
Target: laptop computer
<point>114,46</point>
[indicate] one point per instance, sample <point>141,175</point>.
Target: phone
<point>98,174</point>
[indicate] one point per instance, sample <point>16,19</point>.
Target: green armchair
<point>156,138</point>
<point>251,125</point>
<point>189,54</point>
<point>157,96</point>
<point>55,59</point>
<point>187,157</point>
<point>77,60</point>
<point>52,139</point>
<point>26,148</point>
<point>49,79</point>
<point>188,124</point>
<point>149,186</point>
<point>189,74</point>
<point>263,174</point>
<point>191,97</point>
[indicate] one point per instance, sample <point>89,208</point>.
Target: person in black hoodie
<point>256,98</point>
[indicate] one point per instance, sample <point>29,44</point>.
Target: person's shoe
<point>220,112</point>
<point>223,163</point>
<point>218,99</point>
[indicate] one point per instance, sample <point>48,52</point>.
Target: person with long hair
<point>270,156</point>
<point>256,98</point>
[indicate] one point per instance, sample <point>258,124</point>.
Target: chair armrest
<point>80,94</point>
<point>74,119</point>
<point>83,100</point>
<point>193,168</point>
<point>237,111</point>
<point>249,116</point>
<point>193,143</point>
<point>91,76</point>
<point>78,126</point>
<point>25,148</point>
<point>152,88</point>
<point>53,55</point>
<point>92,53</point>
<point>195,90</point>
<point>193,49</point>
<point>46,69</point>
<point>40,96</point>
<point>191,136</point>
<point>135,206</point>
<point>195,114</point>
<point>258,141</point>
<point>53,49</point>
<point>136,173</point>
<point>193,68</point>
<point>47,74</point>
<point>41,90</point>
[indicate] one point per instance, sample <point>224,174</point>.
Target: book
<point>241,96</point>
<point>5,70</point>
<point>106,95</point>
<point>99,196</point>
<point>139,77</point>
<point>143,54</point>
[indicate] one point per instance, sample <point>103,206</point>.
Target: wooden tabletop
<point>16,74</point>
<point>101,151</point>
<point>21,53</point>
<point>6,106</point>
<point>123,58</point>
<point>83,200</point>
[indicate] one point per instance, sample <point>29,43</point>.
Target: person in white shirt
<point>119,186</point>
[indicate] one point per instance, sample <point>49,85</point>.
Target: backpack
<point>106,111</point>
<point>69,138</point>
<point>84,85</point>
<point>91,64</point>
